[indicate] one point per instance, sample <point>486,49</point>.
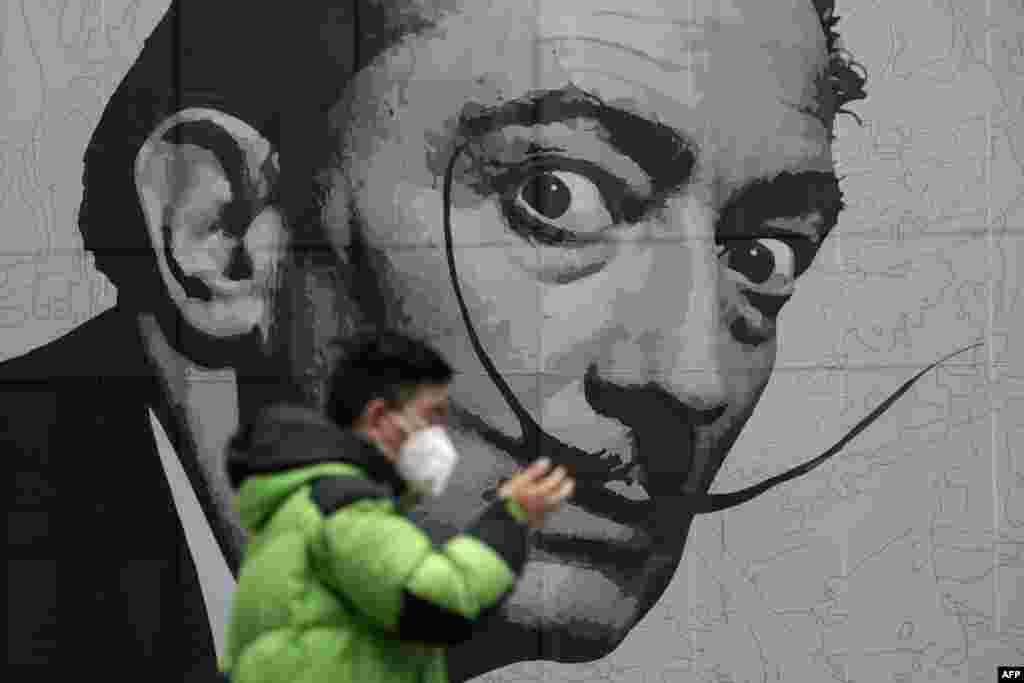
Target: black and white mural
<point>611,217</point>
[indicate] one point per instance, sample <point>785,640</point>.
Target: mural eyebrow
<point>787,195</point>
<point>665,154</point>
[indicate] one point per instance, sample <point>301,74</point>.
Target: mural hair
<point>843,79</point>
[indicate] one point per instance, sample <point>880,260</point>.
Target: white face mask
<point>427,459</point>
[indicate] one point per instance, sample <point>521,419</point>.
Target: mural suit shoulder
<point>89,484</point>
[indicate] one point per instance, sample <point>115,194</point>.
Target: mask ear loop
<point>577,461</point>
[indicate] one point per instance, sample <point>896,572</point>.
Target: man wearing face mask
<point>337,583</point>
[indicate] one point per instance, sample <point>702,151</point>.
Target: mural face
<point>595,212</point>
<point>639,191</point>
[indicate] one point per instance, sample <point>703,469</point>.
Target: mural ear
<point>207,184</point>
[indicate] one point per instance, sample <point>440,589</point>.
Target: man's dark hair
<point>386,365</point>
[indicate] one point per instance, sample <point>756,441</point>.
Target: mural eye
<point>563,200</point>
<point>760,259</point>
<point>547,195</point>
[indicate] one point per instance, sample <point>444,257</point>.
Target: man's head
<point>387,385</point>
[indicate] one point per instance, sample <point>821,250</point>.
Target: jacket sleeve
<point>390,570</point>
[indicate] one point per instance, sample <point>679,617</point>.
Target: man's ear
<point>374,413</point>
<point>206,185</point>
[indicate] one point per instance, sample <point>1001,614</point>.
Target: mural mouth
<point>663,431</point>
<point>641,492</point>
<point>641,515</point>
<point>635,537</point>
<point>634,488</point>
<point>645,500</point>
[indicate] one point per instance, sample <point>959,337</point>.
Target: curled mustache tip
<point>716,502</point>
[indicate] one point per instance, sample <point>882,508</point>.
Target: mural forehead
<point>534,42</point>
<point>726,75</point>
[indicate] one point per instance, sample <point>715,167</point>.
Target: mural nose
<point>688,358</point>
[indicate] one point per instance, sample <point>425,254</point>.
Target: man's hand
<point>539,490</point>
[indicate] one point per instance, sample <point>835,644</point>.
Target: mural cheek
<point>428,305</point>
<point>582,318</point>
<point>745,372</point>
<point>752,383</point>
<point>492,269</point>
<point>504,303</point>
<point>374,183</point>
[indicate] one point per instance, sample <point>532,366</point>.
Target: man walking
<point>337,584</point>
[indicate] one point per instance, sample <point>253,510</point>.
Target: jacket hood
<point>289,445</point>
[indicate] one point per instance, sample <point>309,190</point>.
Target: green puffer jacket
<point>337,584</point>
